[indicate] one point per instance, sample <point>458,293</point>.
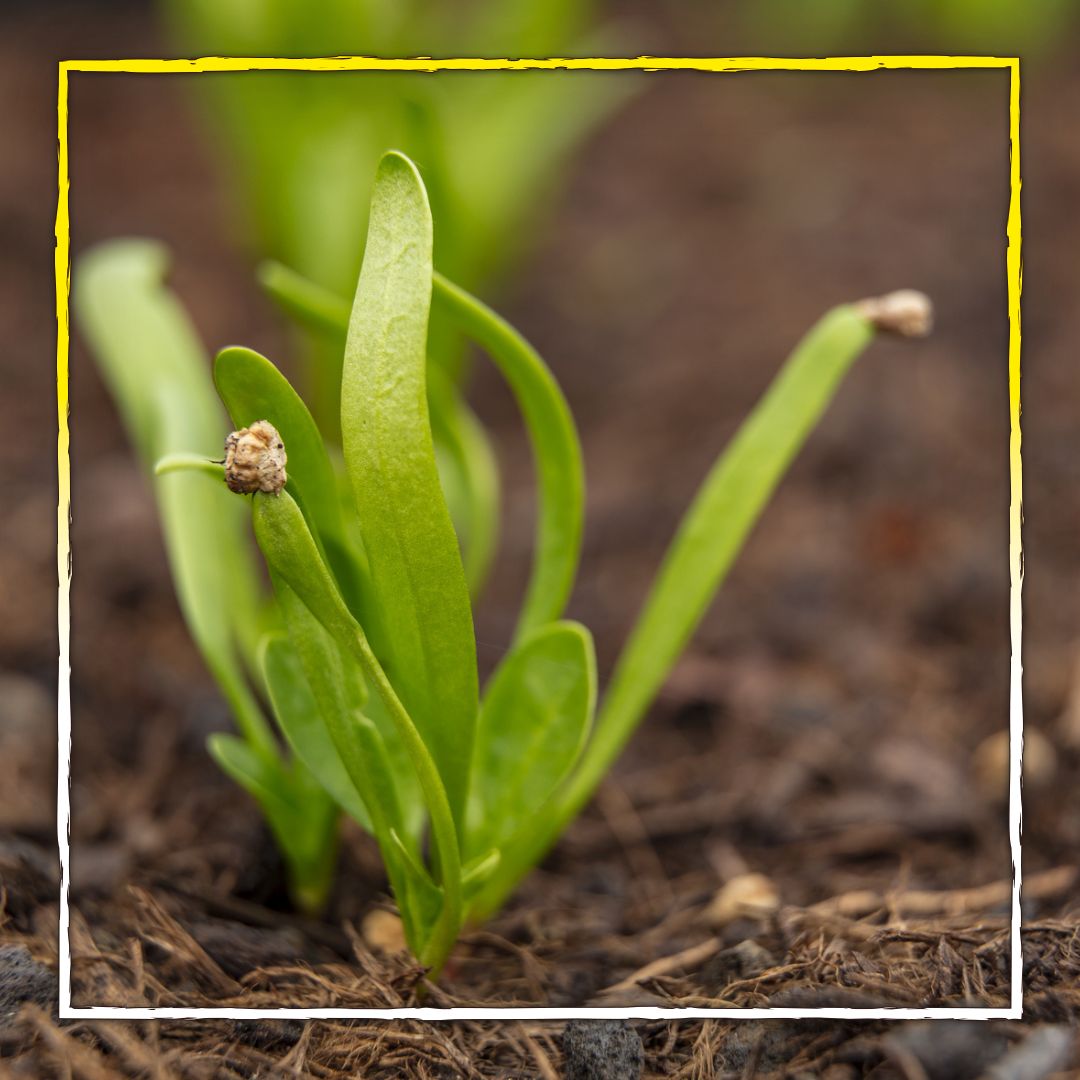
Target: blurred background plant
<point>977,25</point>
<point>299,149</point>
<point>1035,31</point>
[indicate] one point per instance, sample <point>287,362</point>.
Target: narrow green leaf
<point>476,871</point>
<point>193,462</point>
<point>377,767</point>
<point>712,532</point>
<point>556,452</point>
<point>466,462</point>
<point>159,376</point>
<point>422,897</point>
<point>727,506</point>
<point>310,304</point>
<point>301,722</point>
<point>533,723</point>
<point>317,699</point>
<point>416,567</point>
<point>264,780</point>
<point>253,389</point>
<point>469,476</point>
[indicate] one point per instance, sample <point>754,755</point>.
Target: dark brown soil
<point>828,728</point>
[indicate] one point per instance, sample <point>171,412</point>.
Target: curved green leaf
<point>556,452</point>
<point>253,389</point>
<point>534,720</point>
<point>469,476</point>
<point>416,569</point>
<point>382,771</point>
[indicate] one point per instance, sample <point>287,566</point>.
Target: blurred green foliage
<point>1034,29</point>
<point>299,148</point>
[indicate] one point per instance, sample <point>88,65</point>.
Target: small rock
<point>949,1049</point>
<point>269,1034</point>
<point>22,980</point>
<point>99,869</point>
<point>238,949</point>
<point>383,932</point>
<point>991,766</point>
<point>602,1050</point>
<point>1046,1050</point>
<point>746,896</point>
<point>745,960</point>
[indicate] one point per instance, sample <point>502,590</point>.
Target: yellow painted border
<point>731,64</point>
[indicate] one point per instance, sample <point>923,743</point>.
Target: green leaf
<point>317,701</point>
<point>253,389</point>
<point>263,779</point>
<point>728,504</point>
<point>469,476</point>
<point>533,723</point>
<point>301,817</point>
<point>307,733</point>
<point>556,452</point>
<point>422,897</point>
<point>466,462</point>
<point>416,567</point>
<point>159,376</point>
<point>476,872</point>
<point>713,530</point>
<point>310,304</point>
<point>376,766</point>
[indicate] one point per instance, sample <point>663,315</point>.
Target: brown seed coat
<point>255,459</point>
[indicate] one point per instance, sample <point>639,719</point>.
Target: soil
<point>829,750</point>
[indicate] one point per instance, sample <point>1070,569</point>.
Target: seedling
<point>366,655</point>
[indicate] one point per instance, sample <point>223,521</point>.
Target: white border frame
<point>1016,568</point>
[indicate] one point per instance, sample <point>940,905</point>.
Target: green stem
<point>191,463</point>
<point>285,540</point>
<point>448,853</point>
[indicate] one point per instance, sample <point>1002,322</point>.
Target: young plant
<point>367,657</point>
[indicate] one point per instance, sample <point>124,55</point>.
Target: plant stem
<point>444,833</point>
<point>286,541</point>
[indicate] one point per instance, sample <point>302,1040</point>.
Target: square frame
<point>717,65</point>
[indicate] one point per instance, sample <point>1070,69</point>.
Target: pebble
<point>22,980</point>
<point>383,932</point>
<point>748,895</point>
<point>990,763</point>
<point>602,1050</point>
